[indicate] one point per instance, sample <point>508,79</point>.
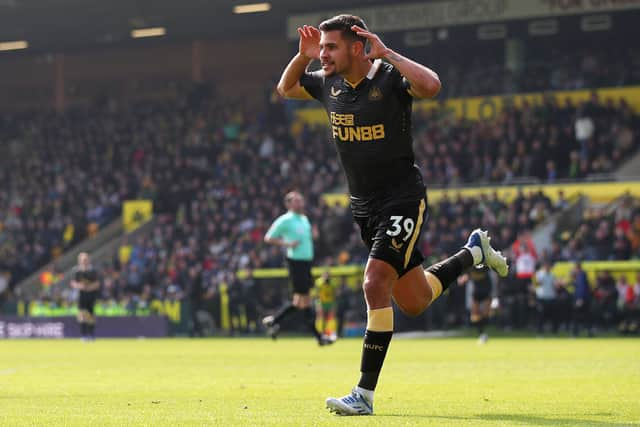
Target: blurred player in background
<point>369,103</point>
<point>85,279</point>
<point>326,293</point>
<point>483,290</point>
<point>293,231</point>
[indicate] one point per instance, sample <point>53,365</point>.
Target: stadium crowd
<point>217,172</point>
<point>559,68</point>
<point>609,233</point>
<point>547,143</point>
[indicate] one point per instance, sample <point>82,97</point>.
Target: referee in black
<point>85,279</point>
<point>368,97</point>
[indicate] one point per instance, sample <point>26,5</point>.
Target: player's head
<point>83,259</point>
<point>294,201</point>
<point>340,46</point>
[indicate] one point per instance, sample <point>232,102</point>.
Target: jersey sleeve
<point>276,229</point>
<point>313,83</point>
<point>401,85</point>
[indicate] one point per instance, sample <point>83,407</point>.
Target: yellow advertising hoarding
<point>597,192</point>
<point>488,107</point>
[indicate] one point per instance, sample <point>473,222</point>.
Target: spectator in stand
<point>581,301</point>
<point>525,270</point>
<point>606,299</point>
<point>546,298</point>
<point>629,304</point>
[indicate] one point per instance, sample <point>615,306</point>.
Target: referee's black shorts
<point>300,276</point>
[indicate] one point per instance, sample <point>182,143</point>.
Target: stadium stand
<point>199,157</point>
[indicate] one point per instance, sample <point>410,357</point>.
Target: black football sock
<point>448,270</point>
<point>83,329</point>
<point>90,329</point>
<point>374,351</point>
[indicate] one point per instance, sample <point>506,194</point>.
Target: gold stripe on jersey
<point>354,85</point>
<point>416,233</point>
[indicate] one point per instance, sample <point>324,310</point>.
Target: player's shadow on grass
<point>547,421</point>
<point>527,419</point>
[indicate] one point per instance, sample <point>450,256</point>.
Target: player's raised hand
<point>309,45</point>
<point>377,48</point>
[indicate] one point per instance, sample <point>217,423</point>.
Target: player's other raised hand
<point>377,49</point>
<point>309,45</point>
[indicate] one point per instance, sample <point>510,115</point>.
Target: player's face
<point>335,56</point>
<point>83,260</point>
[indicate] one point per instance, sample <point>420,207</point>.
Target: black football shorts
<point>392,231</point>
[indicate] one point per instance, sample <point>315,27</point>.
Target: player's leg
<point>321,316</point>
<point>379,278</point>
<point>479,317</point>
<point>83,315</point>
<point>91,326</point>
<point>81,322</point>
<point>390,233</point>
<point>90,317</point>
<point>417,289</point>
<point>330,312</point>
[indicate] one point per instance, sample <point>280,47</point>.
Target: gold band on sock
<point>435,284</point>
<point>380,319</point>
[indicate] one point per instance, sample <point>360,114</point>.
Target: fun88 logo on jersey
<point>343,128</point>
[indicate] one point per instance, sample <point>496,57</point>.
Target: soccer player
<point>293,231</point>
<point>368,102</point>
<point>85,278</point>
<point>326,293</point>
<point>483,287</point>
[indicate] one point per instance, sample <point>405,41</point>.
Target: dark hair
<point>343,23</point>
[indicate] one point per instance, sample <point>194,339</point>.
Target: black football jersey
<point>371,127</point>
<point>87,276</point>
<point>482,283</point>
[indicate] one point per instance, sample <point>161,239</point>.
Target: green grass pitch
<point>223,382</point>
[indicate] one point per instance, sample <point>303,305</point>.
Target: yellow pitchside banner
<point>597,192</point>
<point>135,213</point>
<point>488,107</point>
<point>629,269</point>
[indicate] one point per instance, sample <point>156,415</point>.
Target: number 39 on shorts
<point>400,224</point>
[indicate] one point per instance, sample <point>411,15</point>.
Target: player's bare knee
<point>377,291</point>
<point>375,285</point>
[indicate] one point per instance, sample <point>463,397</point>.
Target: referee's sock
<point>284,312</point>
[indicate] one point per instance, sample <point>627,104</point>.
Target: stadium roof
<point>62,24</point>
